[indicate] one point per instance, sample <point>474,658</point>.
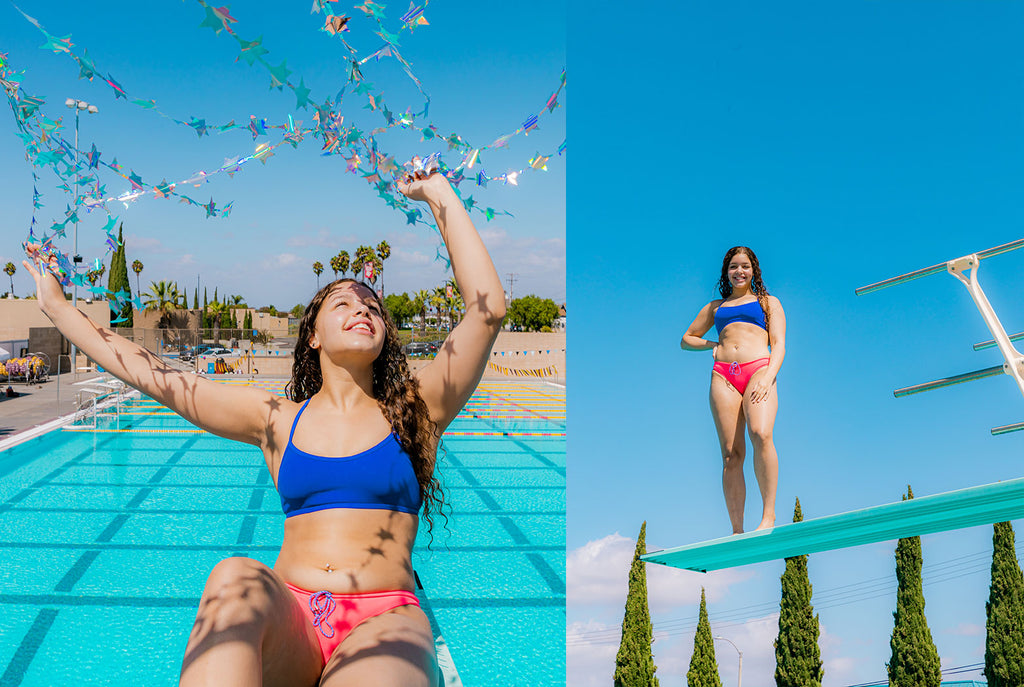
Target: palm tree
<point>217,311</point>
<point>9,270</point>
<point>94,275</point>
<point>438,299</point>
<point>364,255</point>
<point>137,269</point>
<point>422,300</point>
<point>455,302</point>
<point>383,252</point>
<point>162,297</point>
<point>335,266</point>
<point>318,267</point>
<point>343,262</point>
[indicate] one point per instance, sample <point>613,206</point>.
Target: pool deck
<point>37,404</point>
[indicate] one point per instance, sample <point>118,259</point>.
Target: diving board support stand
<point>983,505</point>
<point>1013,361</point>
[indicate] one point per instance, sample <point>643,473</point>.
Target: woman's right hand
<point>48,291</point>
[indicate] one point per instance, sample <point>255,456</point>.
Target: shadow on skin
<point>238,600</point>
<point>394,653</point>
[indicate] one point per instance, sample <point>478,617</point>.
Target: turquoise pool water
<point>107,537</point>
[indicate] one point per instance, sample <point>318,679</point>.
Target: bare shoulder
<point>774,303</point>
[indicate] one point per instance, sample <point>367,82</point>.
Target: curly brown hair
<point>396,391</point>
<point>757,286</point>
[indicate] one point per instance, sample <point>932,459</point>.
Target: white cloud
<point>588,664</point>
<point>597,574</point>
<point>187,259</point>
<point>280,260</point>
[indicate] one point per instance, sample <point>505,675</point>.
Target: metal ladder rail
<point>1013,361</point>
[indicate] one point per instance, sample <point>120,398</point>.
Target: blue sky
<point>845,142</point>
<point>486,70</point>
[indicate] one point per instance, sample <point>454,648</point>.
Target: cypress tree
<point>195,299</point>
<point>915,660</point>
<point>118,280</point>
<point>1004,611</point>
<point>797,656</point>
<point>703,670</point>
<point>634,664</point>
<point>205,318</point>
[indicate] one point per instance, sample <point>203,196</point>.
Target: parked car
<point>418,348</point>
<point>217,350</point>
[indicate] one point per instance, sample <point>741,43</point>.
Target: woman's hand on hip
<point>761,388</point>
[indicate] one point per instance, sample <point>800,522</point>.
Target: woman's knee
<point>732,456</point>
<point>239,591</point>
<point>760,436</point>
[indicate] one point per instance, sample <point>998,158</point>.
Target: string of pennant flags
<point>550,371</point>
<point>530,352</point>
<point>78,171</point>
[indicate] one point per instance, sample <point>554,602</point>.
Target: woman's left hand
<point>760,389</point>
<point>423,186</point>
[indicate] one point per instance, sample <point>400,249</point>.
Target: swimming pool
<point>107,536</point>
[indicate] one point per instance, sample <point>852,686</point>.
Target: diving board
<point>952,510</point>
<point>1013,361</point>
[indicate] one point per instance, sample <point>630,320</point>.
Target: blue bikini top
<point>751,313</point>
<point>381,477</point>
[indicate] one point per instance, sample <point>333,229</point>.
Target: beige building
<point>23,327</point>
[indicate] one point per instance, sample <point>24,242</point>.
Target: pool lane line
<point>193,602</point>
<point>274,512</point>
<point>525,408</point>
<point>270,487</point>
<point>28,648</point>
<point>203,431</point>
<point>264,548</point>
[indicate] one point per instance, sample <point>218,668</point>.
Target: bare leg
<point>394,649</point>
<point>249,631</point>
<point>761,423</point>
<point>727,409</point>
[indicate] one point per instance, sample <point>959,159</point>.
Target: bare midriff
<point>741,342</point>
<point>348,550</point>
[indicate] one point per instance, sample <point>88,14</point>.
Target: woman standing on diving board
<point>748,354</point>
<point>351,452</point>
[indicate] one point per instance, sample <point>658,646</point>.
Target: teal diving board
<point>983,505</point>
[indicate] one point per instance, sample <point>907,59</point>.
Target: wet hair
<point>757,286</point>
<point>394,388</point>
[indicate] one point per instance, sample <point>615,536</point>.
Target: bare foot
<point>766,525</point>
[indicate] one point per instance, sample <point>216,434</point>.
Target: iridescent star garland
<point>329,128</point>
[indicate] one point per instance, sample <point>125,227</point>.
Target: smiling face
<point>740,271</point>
<point>350,320</point>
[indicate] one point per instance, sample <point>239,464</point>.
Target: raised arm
<point>239,413</point>
<point>693,339</point>
<point>448,382</point>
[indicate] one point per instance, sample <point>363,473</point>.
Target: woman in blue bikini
<point>748,354</point>
<point>351,451</point>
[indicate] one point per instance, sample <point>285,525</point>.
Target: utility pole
<point>77,106</point>
<point>512,279</point>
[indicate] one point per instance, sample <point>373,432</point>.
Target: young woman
<point>352,454</point>
<point>748,354</point>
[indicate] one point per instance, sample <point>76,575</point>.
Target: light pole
<point>739,677</point>
<point>77,106</point>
